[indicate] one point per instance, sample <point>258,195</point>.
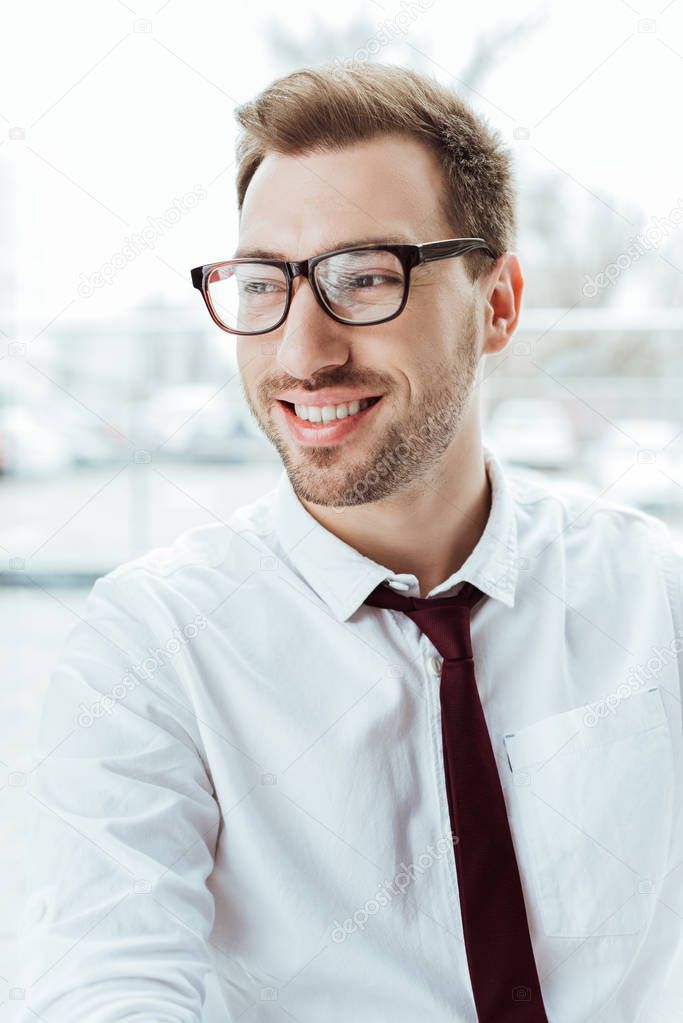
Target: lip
<point>332,433</point>
<point>321,398</point>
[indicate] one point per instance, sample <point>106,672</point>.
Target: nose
<point>310,339</point>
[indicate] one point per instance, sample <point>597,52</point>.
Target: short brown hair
<point>333,106</point>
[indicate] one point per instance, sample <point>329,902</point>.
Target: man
<point>254,762</point>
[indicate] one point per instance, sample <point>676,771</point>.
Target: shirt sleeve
<point>670,546</point>
<point>118,913</point>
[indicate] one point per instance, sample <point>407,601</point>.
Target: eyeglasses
<point>358,285</point>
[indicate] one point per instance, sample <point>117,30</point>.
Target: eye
<point>258,287</point>
<point>374,279</point>
<point>364,281</point>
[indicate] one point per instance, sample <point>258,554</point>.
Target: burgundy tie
<point>499,952</point>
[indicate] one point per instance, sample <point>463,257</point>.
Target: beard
<point>405,451</point>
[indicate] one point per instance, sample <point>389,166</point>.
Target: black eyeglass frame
<point>408,255</point>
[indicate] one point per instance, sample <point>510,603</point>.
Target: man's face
<point>423,363</point>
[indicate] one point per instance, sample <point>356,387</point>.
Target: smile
<point>330,423</point>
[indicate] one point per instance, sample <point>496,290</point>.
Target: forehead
<point>389,188</point>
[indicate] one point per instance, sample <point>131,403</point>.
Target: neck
<point>429,529</point>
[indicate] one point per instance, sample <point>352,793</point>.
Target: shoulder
<point>580,509</point>
<point>214,554</point>
<point>585,530</point>
<point>607,560</point>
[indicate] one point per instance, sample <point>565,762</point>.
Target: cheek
<point>430,316</point>
<point>242,358</point>
<point>429,339</point>
<point>255,362</point>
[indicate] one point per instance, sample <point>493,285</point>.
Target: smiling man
<point>412,759</point>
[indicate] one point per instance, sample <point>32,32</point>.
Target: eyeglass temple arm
<point>428,252</point>
<point>431,251</point>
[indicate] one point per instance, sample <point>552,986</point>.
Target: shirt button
<point>399,584</point>
<point>436,663</point>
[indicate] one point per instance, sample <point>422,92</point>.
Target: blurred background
<point>121,417</point>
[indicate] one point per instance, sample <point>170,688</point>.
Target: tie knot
<point>445,620</point>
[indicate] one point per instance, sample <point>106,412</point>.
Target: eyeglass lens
<point>359,286</point>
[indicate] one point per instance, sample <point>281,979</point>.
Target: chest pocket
<point>594,787</point>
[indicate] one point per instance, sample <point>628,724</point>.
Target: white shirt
<point>244,773</point>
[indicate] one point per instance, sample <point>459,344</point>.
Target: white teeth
<point>327,413</point>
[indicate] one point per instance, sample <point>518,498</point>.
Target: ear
<point>502,301</point>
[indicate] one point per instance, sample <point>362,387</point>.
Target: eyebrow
<point>246,251</point>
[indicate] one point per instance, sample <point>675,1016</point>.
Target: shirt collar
<point>343,577</point>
